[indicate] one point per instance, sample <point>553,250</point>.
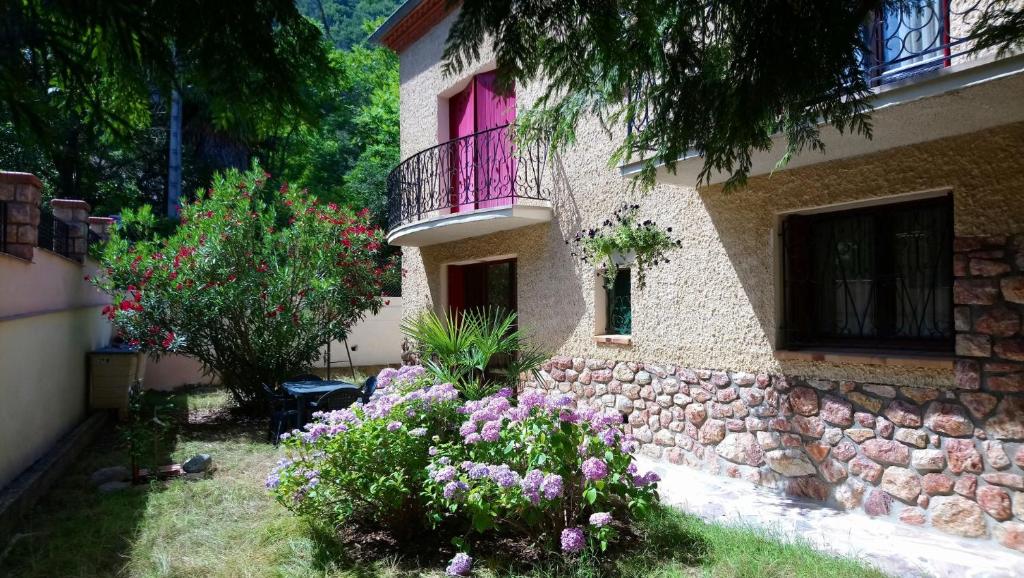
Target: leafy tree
<point>343,20</point>
<point>719,77</point>
<point>83,84</point>
<point>251,284</point>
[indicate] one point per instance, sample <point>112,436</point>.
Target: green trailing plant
<point>622,236</point>
<point>479,351</point>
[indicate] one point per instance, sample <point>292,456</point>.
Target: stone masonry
<point>952,459</point>
<point>21,192</point>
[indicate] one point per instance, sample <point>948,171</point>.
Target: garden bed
<point>228,525</point>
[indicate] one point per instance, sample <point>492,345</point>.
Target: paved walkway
<point>892,547</point>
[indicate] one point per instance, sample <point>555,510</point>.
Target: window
<point>908,40</point>
<point>618,304</point>
<point>877,277</point>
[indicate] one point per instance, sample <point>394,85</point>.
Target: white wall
<point>49,320</point>
<point>173,371</point>
<point>376,340</point>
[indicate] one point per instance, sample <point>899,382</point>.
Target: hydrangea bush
<point>416,456</point>
<point>540,467</point>
<point>367,462</point>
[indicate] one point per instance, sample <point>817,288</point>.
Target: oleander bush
<point>418,457</point>
<point>252,283</point>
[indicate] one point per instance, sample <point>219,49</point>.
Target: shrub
<point>367,462</point>
<point>416,456</point>
<point>464,348</point>
<point>541,468</point>
<point>252,283</point>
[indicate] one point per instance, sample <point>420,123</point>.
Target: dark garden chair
<point>337,399</point>
<point>283,414</point>
<point>369,387</point>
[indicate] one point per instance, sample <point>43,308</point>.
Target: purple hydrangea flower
<point>491,431</point>
<point>594,469</point>
<point>395,426</point>
<point>473,438</point>
<point>551,487</point>
<point>467,428</point>
<point>645,479</point>
<point>445,474</point>
<point>504,392</point>
<point>572,540</point>
<point>479,471</point>
<point>504,476</point>
<point>600,519</point>
<point>385,376</point>
<point>467,465</point>
<point>432,451</point>
<point>460,565</point>
<point>418,432</point>
<point>453,489</point>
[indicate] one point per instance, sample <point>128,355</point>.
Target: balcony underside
<point>465,225</point>
<point>954,101</point>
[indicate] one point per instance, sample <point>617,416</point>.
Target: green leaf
<point>590,495</point>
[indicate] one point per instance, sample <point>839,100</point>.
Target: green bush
<point>479,351</point>
<point>252,283</point>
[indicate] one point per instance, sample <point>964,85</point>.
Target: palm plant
<point>464,349</point>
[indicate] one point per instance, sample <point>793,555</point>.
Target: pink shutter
<point>461,120</point>
<point>496,167</point>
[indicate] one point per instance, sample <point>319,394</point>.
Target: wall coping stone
<point>16,178</point>
<point>70,204</point>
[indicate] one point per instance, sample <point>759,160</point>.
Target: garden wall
<point>49,319</point>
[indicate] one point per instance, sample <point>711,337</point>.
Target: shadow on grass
<point>75,530</point>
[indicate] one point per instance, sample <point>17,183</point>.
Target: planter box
<point>112,372</point>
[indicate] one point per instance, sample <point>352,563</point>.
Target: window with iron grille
<point>878,277</point>
<point>619,315</point>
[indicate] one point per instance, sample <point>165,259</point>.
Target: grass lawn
<point>228,526</point>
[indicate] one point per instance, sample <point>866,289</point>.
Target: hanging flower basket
<point>622,241</point>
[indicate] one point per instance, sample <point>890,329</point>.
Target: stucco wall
<point>376,340</point>
<point>49,319</point>
<point>714,306</point>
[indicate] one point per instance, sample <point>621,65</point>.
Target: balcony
<point>471,186</point>
<point>924,69</point>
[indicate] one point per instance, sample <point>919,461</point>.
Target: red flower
<point>232,277</point>
<point>387,302</point>
<point>87,278</point>
<point>168,340</point>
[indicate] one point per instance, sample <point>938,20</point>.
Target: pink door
<point>462,120</point>
<point>496,170</point>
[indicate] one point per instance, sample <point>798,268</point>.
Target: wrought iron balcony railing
<point>923,37</point>
<point>481,170</point>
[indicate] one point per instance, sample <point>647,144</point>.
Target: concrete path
<point>894,548</point>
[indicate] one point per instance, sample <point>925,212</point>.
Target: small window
<point>619,306</point>
<point>877,277</point>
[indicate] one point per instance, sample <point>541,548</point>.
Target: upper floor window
<point>877,277</point>
<point>907,41</point>
<point>483,166</point>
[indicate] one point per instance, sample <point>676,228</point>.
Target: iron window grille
<point>878,277</point>
<point>619,313</point>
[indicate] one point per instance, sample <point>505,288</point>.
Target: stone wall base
<point>949,459</point>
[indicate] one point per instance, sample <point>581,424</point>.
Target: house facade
<point>848,329</point>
